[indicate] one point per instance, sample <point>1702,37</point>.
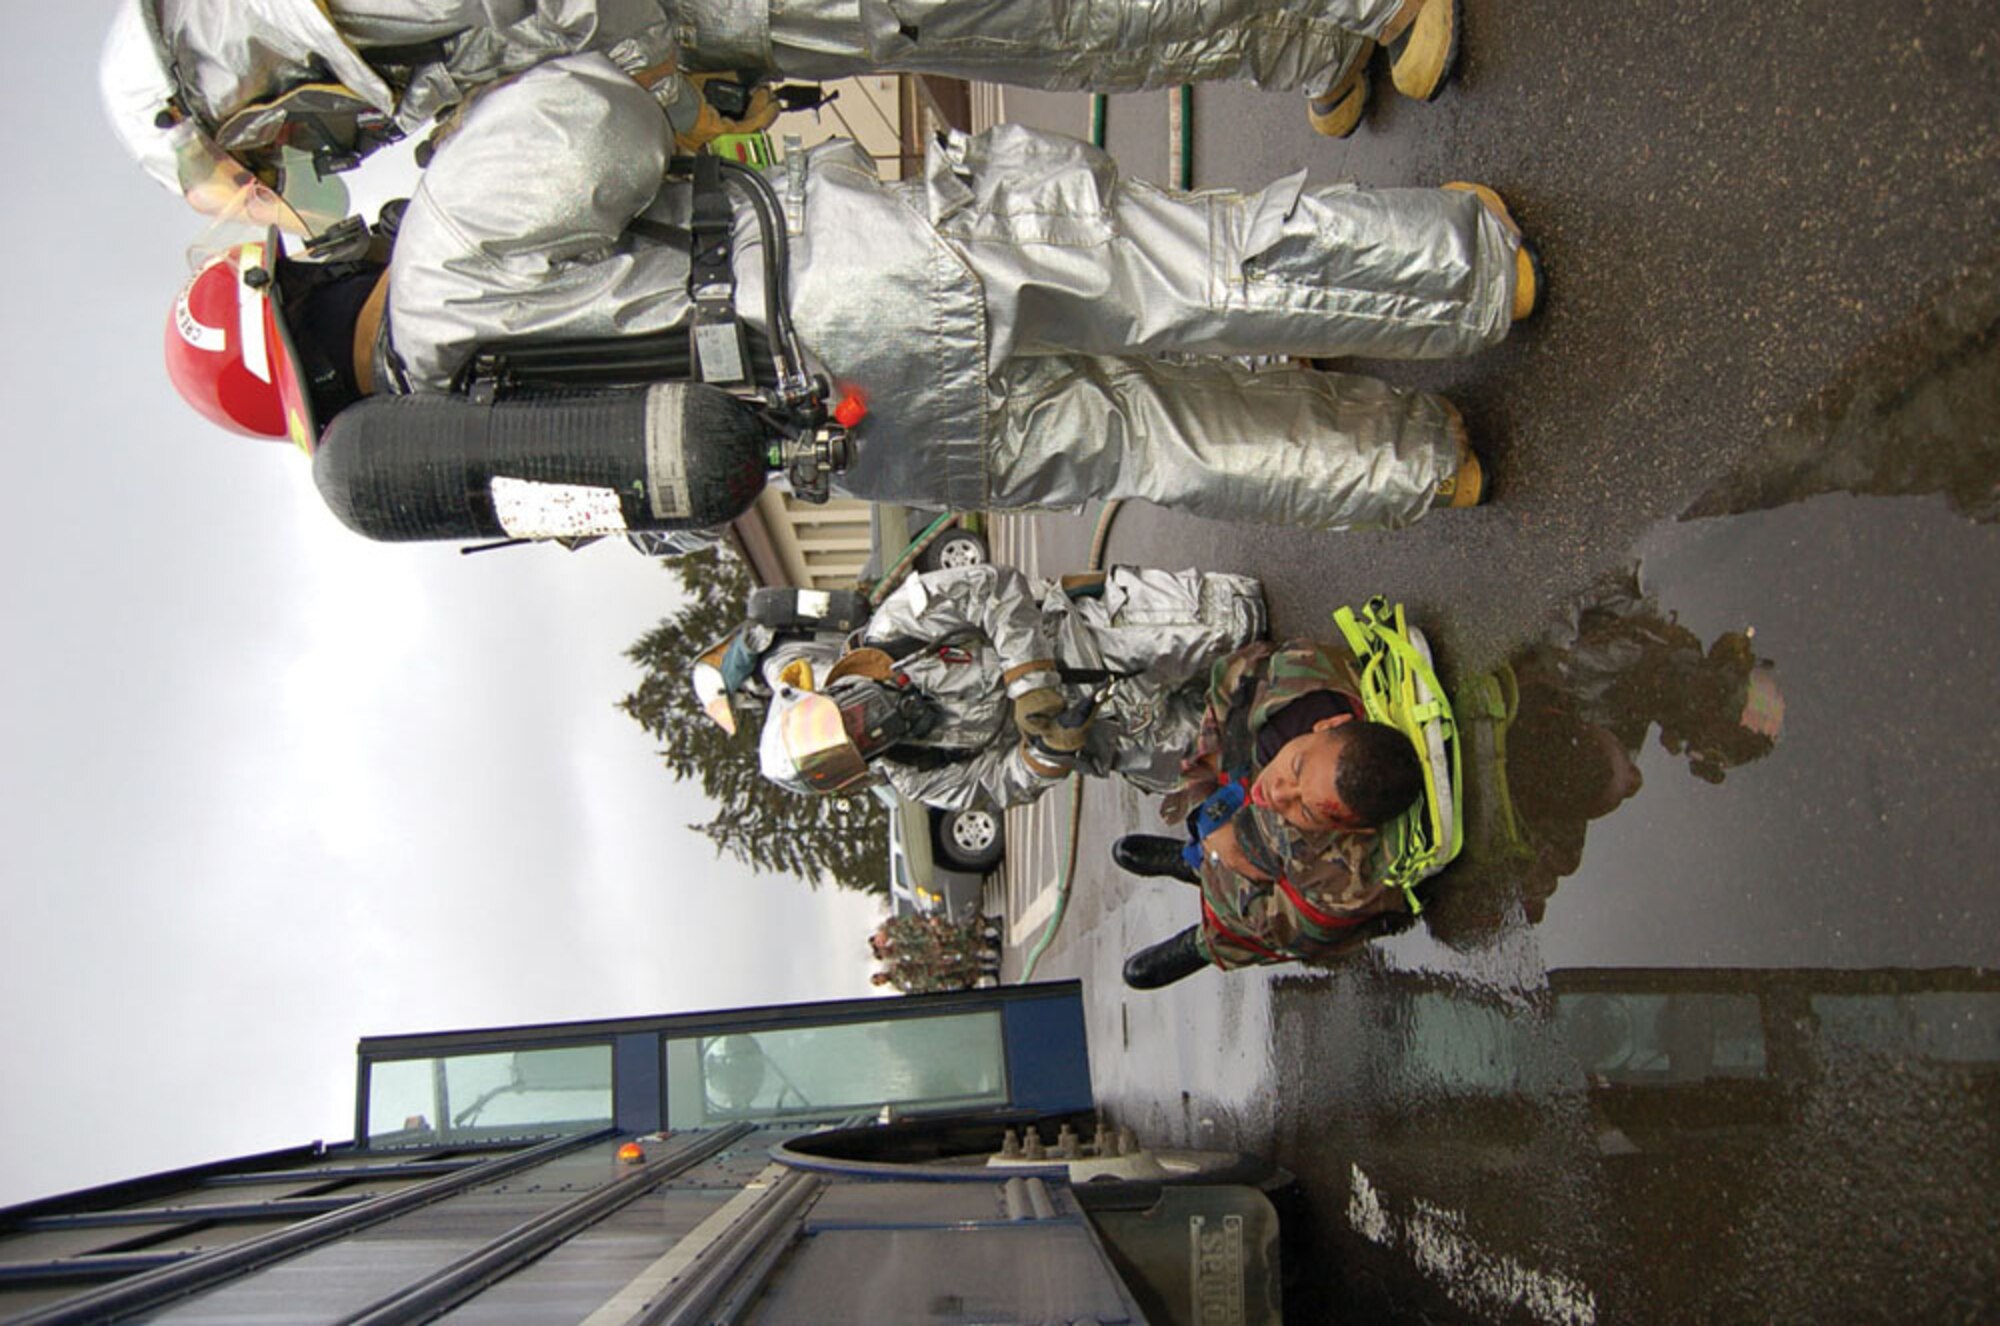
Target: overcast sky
<point>269,787</point>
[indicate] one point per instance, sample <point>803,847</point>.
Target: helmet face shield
<point>805,745</point>
<point>219,185</point>
<point>263,178</point>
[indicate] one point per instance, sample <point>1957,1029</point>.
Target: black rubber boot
<point>1152,854</point>
<point>1165,962</point>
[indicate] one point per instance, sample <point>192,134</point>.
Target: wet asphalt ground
<point>1705,1025</point>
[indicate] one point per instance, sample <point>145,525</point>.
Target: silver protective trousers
<point>1103,45</point>
<point>1277,446</point>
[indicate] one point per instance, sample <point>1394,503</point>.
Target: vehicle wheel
<point>952,550</point>
<point>973,839</point>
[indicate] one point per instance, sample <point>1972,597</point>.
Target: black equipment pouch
<point>807,612</point>
<point>506,368</point>
<point>720,354</point>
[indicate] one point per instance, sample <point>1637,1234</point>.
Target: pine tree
<point>844,839</point>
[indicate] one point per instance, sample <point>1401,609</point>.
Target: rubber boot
<point>1337,113</point>
<point>1152,854</point>
<point>1527,261</point>
<point>1166,962</point>
<point>1466,485</point>
<point>1422,54</point>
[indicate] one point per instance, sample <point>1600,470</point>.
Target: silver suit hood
<point>218,60</point>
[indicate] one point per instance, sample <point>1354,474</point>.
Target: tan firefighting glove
<point>711,123</point>
<point>1038,713</point>
<point>694,121</point>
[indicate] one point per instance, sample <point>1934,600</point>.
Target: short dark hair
<point>1380,776</point>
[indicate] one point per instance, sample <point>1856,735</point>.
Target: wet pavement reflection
<point>1705,1024</point>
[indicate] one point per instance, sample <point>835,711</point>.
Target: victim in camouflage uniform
<point>1323,886</point>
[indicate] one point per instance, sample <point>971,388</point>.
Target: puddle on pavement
<point>1706,1021</point>
<point>1705,1024</point>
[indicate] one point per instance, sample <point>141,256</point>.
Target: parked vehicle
<point>894,529</point>
<point>924,877</point>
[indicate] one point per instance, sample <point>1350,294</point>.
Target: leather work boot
<point>1152,854</point>
<point>1337,112</point>
<point>1421,53</point>
<point>1466,485</point>
<point>1527,262</point>
<point>1165,962</point>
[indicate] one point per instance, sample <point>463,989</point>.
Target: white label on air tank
<point>530,510</point>
<point>666,462</point>
<point>815,603</point>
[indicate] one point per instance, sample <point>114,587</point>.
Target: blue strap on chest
<point>1220,807</point>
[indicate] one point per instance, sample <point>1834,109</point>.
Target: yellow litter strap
<point>1420,842</point>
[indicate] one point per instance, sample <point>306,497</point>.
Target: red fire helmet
<point>230,353</point>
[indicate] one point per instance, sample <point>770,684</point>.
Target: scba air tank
<point>671,456</point>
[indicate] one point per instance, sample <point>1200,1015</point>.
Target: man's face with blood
<point>1299,781</point>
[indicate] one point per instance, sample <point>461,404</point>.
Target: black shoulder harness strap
<point>719,350</point>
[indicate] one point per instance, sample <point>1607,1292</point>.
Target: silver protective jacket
<point>974,638</point>
<point>1027,328</point>
<point>408,58</point>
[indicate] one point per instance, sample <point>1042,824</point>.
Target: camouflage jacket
<point>925,938</point>
<point>1323,885</point>
<point>930,975</point>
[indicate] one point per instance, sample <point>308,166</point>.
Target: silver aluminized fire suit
<point>974,638</point>
<point>413,58</point>
<point>1000,316</point>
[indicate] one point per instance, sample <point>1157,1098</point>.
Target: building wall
<point>821,545</point>
<point>868,111</point>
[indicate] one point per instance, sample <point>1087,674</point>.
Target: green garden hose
<point>1096,563</point>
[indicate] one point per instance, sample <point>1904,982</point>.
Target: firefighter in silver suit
<point>1026,328</point>
<point>976,686</point>
<point>245,74</point>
